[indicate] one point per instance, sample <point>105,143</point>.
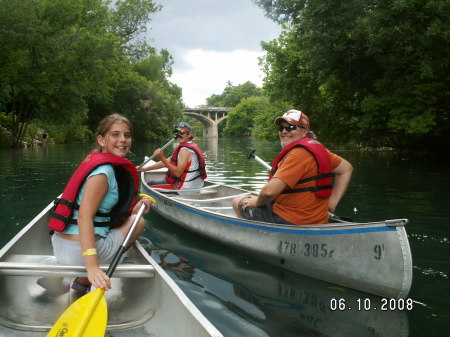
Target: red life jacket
<point>171,178</point>
<point>127,181</point>
<point>324,177</point>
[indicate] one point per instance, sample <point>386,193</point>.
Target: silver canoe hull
<point>144,300</point>
<point>300,301</point>
<point>372,257</point>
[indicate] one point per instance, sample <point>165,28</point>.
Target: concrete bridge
<point>210,117</point>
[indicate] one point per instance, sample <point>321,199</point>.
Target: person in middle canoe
<point>301,189</point>
<point>185,168</point>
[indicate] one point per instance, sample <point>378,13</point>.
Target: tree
<point>232,95</point>
<point>59,57</point>
<point>160,101</point>
<point>145,95</point>
<point>254,116</point>
<point>370,72</point>
<point>240,119</point>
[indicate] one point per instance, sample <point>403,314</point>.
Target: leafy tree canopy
<point>232,95</point>
<point>367,72</point>
<point>253,114</point>
<point>71,62</point>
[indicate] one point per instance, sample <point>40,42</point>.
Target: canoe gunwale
<point>40,269</point>
<point>318,227</point>
<point>187,202</point>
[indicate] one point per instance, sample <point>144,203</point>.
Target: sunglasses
<point>179,134</point>
<point>288,128</point>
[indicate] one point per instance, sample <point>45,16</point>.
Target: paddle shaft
<point>153,156</point>
<point>122,248</point>
<point>259,160</point>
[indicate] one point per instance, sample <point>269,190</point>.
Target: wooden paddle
<point>87,316</point>
<point>153,156</point>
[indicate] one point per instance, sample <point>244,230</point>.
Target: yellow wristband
<point>90,251</point>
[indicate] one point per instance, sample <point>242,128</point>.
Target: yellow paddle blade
<point>86,317</point>
<point>142,195</point>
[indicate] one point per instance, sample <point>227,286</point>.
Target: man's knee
<point>236,202</point>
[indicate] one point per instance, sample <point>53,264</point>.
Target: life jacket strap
<point>60,217</point>
<point>74,205</point>
<point>319,176</point>
<point>66,202</point>
<point>111,215</point>
<point>312,188</point>
<point>308,189</point>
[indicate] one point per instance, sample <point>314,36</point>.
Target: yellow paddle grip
<point>147,196</point>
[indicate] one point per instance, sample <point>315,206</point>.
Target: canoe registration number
<point>314,250</point>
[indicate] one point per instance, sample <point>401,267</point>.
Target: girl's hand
<point>147,201</point>
<point>98,278</point>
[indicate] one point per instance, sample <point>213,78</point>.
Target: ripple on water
<point>430,272</point>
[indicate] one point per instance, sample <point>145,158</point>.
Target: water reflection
<point>211,149</point>
<point>279,302</point>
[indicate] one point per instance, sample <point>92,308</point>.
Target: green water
<point>244,297</point>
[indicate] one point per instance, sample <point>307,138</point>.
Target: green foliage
<point>240,119</point>
<point>264,119</point>
<point>367,72</point>
<point>160,104</point>
<point>232,95</point>
<point>282,11</point>
<point>254,116</point>
<point>71,62</point>
<point>5,120</point>
<point>130,17</point>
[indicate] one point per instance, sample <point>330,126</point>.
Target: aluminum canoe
<point>287,300</point>
<point>143,301</point>
<point>373,257</point>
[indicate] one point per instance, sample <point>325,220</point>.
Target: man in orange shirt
<point>301,189</point>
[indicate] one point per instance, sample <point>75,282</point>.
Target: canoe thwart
<point>207,200</point>
<point>45,265</point>
<point>189,191</point>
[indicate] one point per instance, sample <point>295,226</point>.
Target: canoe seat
<point>45,265</point>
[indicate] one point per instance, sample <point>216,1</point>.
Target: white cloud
<point>211,42</point>
<point>207,72</point>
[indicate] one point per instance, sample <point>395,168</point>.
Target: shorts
<point>157,182</point>
<point>263,213</point>
<point>68,252</point>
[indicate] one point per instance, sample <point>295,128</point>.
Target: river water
<point>242,296</point>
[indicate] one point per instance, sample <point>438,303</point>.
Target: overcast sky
<point>211,42</point>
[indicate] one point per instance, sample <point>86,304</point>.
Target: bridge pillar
<point>210,117</point>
